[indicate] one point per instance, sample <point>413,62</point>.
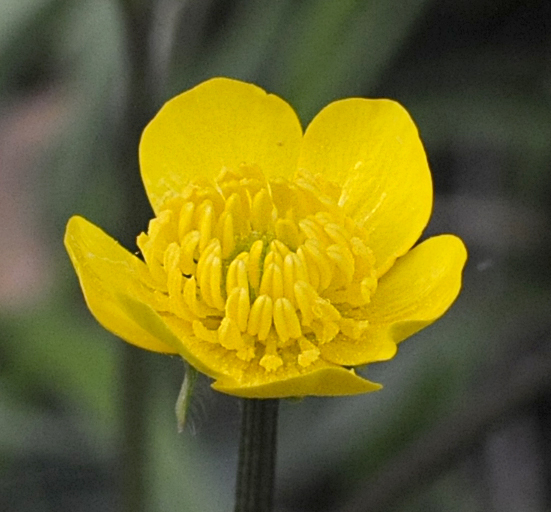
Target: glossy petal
<point>372,148</point>
<point>163,329</point>
<point>415,292</point>
<point>326,381</point>
<point>374,347</point>
<point>109,278</point>
<point>220,123</point>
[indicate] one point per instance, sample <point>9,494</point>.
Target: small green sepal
<point>184,397</point>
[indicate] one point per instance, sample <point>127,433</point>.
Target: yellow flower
<point>276,261</point>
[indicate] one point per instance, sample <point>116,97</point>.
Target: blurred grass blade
<point>15,18</point>
<point>341,48</point>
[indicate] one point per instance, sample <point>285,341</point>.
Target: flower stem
<point>257,456</point>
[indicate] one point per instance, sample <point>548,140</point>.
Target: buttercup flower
<point>276,261</point>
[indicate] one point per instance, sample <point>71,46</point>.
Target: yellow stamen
<point>271,360</point>
<point>206,213</point>
<point>254,264</point>
<point>302,266</point>
<point>188,254</point>
<point>309,352</point>
<point>238,307</point>
<point>272,281</point>
<point>286,320</point>
<point>261,214</point>
<point>186,219</point>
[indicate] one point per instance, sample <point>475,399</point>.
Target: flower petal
<point>369,349</point>
<point>325,381</point>
<point>373,150</point>
<point>108,274</point>
<point>168,328</point>
<point>220,123</point>
<point>414,293</point>
<point>420,287</point>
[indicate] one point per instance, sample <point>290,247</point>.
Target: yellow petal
<point>325,381</point>
<point>108,274</point>
<point>373,150</point>
<point>370,348</point>
<point>209,358</point>
<point>220,123</point>
<point>169,329</point>
<point>415,292</point>
<point>420,287</point>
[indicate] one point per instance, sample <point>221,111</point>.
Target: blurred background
<point>463,423</point>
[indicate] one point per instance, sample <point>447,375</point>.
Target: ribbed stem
<point>257,456</point>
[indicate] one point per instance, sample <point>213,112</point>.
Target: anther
<point>189,252</point>
<point>272,281</point>
<point>260,318</point>
<point>185,222</point>
<point>286,320</point>
<point>253,265</point>
<point>261,213</point>
<point>206,214</point>
<point>238,307</point>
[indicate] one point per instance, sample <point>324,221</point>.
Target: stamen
<point>260,317</point>
<point>229,335</point>
<point>272,281</point>
<point>280,248</point>
<point>205,221</point>
<point>235,209</point>
<point>189,252</point>
<point>186,219</point>
<point>287,231</point>
<point>238,307</point>
<point>368,286</point>
<point>312,230</point>
<point>293,271</point>
<point>261,214</point>
<point>215,283</point>
<point>254,264</point>
<point>227,236</point>
<point>271,360</point>
<point>353,328</point>
<point>280,196</point>
<point>213,246</point>
<point>314,251</point>
<point>344,261</point>
<point>305,296</point>
<point>203,333</point>
<point>337,234</point>
<point>303,269</point>
<point>190,297</point>
<point>308,352</point>
<point>309,264</point>
<point>236,276</point>
<point>286,320</point>
<point>273,256</point>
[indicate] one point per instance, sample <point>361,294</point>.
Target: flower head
<point>276,261</point>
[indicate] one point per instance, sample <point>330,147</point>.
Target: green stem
<point>257,456</point>
<point>139,108</point>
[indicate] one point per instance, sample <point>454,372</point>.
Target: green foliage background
<point>476,76</point>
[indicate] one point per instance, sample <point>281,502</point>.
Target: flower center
<point>268,269</point>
